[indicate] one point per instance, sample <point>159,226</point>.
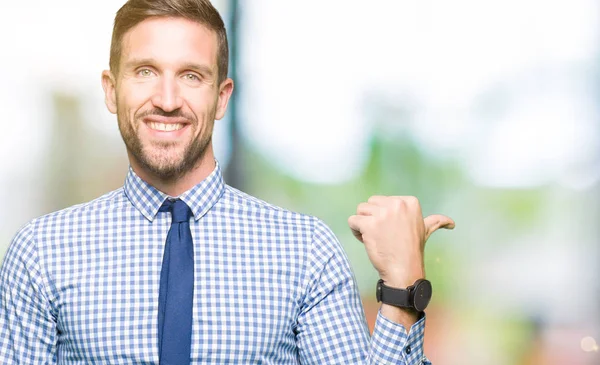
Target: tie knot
<point>179,210</point>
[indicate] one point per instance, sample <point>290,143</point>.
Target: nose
<point>167,96</point>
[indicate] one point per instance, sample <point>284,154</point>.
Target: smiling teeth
<point>163,127</point>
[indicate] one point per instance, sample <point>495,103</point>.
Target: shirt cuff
<point>391,344</point>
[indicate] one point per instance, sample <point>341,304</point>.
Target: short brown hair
<point>200,11</point>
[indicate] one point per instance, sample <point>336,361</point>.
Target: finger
<point>382,200</point>
<point>367,209</point>
<point>378,200</point>
<point>356,222</point>
<point>436,221</point>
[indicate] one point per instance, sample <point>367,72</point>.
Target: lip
<point>165,120</point>
<point>171,135</point>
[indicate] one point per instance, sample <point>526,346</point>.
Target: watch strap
<point>393,296</point>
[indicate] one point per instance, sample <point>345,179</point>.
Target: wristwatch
<point>416,296</point>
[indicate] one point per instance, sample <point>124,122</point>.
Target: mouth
<point>166,126</point>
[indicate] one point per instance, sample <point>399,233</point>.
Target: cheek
<point>132,99</point>
<point>203,104</point>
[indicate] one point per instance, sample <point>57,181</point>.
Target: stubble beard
<point>157,158</point>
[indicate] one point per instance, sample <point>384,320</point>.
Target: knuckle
<point>412,200</point>
<point>361,207</point>
<point>399,204</point>
<point>372,199</point>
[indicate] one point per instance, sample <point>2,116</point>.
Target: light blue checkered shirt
<point>80,286</point>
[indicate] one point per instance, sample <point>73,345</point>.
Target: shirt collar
<point>201,198</point>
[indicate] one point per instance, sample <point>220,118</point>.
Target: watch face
<point>422,294</point>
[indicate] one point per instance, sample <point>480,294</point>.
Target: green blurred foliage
<point>396,167</point>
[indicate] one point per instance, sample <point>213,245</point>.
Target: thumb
<point>435,222</point>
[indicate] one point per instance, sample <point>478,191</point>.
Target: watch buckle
<point>378,290</point>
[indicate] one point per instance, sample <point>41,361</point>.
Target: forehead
<point>171,40</point>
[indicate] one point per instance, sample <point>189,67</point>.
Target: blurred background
<point>487,111</point>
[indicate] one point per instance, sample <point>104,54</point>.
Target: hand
<point>394,233</point>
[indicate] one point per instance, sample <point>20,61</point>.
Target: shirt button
<point>408,350</point>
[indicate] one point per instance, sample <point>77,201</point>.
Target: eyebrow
<point>203,69</point>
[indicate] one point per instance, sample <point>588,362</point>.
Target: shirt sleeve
<point>27,326</point>
<point>332,328</point>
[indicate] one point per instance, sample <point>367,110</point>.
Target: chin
<point>169,162</point>
<point>162,167</point>
<point>166,172</point>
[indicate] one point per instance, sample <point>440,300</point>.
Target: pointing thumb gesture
<point>394,233</point>
<point>435,222</point>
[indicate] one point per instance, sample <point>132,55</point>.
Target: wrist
<point>402,279</point>
<point>404,316</point>
<point>401,274</point>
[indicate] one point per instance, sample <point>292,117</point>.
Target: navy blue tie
<point>176,288</point>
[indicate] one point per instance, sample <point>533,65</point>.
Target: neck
<point>204,167</point>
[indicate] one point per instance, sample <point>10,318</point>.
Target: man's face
<point>166,94</point>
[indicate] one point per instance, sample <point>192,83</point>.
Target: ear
<point>225,90</point>
<point>110,95</point>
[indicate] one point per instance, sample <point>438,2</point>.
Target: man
<point>177,267</point>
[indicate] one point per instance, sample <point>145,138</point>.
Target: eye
<point>145,72</point>
<point>191,77</point>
